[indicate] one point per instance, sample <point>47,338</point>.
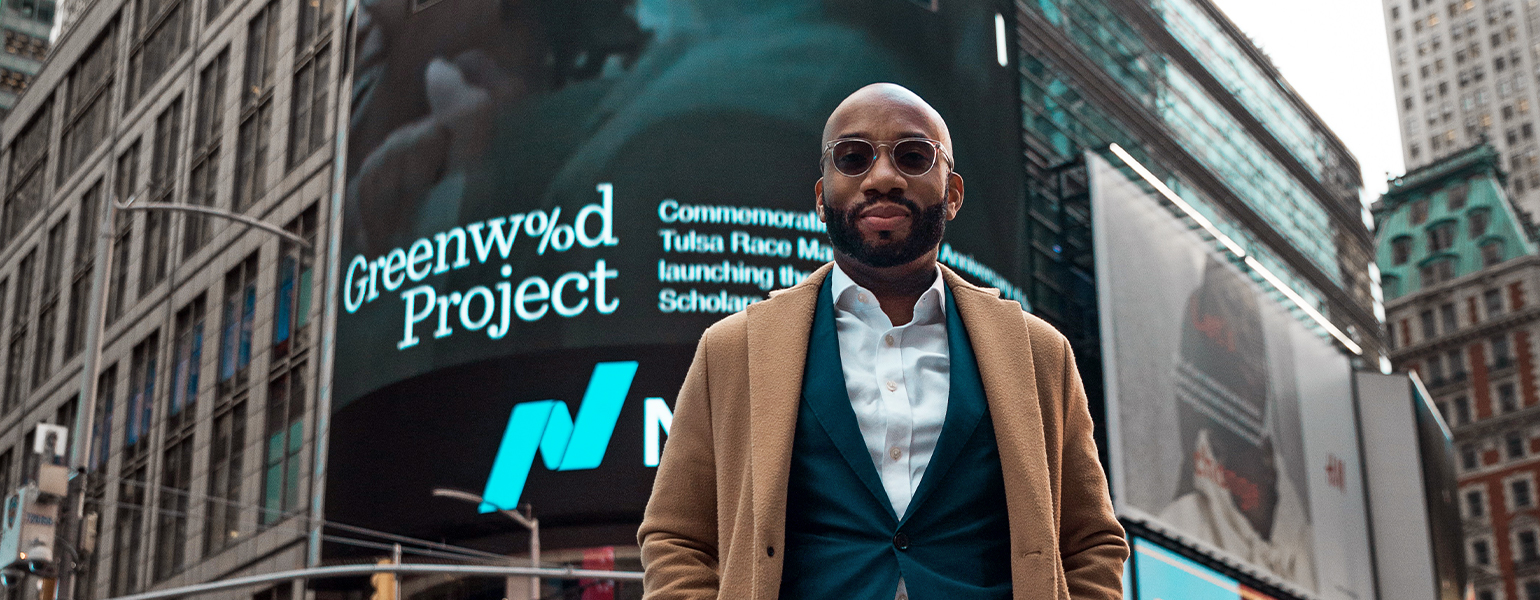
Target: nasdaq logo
<point>565,444</point>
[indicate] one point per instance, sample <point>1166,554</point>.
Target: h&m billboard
<point>1231,425</point>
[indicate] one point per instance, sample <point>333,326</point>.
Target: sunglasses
<point>913,157</point>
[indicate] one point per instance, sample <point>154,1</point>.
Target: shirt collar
<point>929,308</point>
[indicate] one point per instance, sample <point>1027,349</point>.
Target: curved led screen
<point>547,202</point>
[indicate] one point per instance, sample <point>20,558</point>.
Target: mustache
<point>874,199</point>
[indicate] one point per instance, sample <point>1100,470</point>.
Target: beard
<point>927,227</point>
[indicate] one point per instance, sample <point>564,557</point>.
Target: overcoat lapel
<point>1003,349</point>
<point>777,353</point>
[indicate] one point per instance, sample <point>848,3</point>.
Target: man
<point>884,428</point>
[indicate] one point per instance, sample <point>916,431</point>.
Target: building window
<point>21,317</point>
<point>285,439</point>
<point>1456,360</point>
<point>1401,249</point>
<point>129,531</point>
<point>171,518</point>
<point>48,303</point>
<point>1514,444</point>
<point>312,75</point>
<point>256,108</point>
<point>240,310</point>
<point>1429,326</point>
<point>1435,370</point>
<point>1468,457</point>
<point>1519,492</point>
<point>1491,253</point>
<point>1528,551</point>
<point>1506,399</point>
<point>6,460</point>
<point>86,231</point>
<point>1475,504</point>
<point>1532,590</point>
<point>1441,237</point>
<point>157,224</point>
<point>153,259</point>
<point>1457,196</point>
<point>1461,410</point>
<point>1486,595</point>
<point>24,192</point>
<point>187,361</point>
<point>1481,553</point>
<point>282,591</point>
<point>222,527</point>
<point>1478,223</point>
<point>1419,212</point>
<point>1437,272</point>
<point>208,131</point>
<point>291,309</point>
<point>141,390</point>
<point>1501,356</point>
<point>127,182</point>
<point>1447,314</point>
<point>160,36</point>
<point>1494,302</point>
<point>88,102</point>
<point>101,430</point>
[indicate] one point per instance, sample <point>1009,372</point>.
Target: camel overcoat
<point>716,521</point>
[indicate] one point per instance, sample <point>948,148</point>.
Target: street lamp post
<point>85,418</point>
<point>526,518</point>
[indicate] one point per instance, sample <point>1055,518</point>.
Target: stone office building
<point>1461,280</point>
<point>202,439</point>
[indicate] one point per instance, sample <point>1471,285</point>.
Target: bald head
<point>891,103</point>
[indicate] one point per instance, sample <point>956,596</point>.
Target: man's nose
<point>884,177</point>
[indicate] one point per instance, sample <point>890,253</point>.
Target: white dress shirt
<point>898,379</point>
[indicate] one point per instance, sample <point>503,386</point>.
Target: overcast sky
<point>1334,54</point>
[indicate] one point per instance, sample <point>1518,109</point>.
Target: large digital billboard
<point>547,202</point>
<point>1231,425</point>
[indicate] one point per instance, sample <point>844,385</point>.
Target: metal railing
<point>407,569</point>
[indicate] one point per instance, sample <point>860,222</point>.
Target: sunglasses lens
<point>853,157</point>
<point>914,157</point>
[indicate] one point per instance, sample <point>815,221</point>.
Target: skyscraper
<point>1464,72</point>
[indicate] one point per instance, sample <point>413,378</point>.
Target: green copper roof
<point>1417,213</point>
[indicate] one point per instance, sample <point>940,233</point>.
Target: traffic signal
<point>384,583</point>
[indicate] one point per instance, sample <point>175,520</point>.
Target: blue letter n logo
<point>565,445</point>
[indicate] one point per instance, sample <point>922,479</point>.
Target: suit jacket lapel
<point>830,398</point>
<point>1003,349</point>
<point>777,353</point>
<point>964,407</point>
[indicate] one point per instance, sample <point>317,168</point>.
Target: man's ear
<point>818,199</point>
<point>954,194</point>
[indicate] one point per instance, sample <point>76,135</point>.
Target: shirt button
<point>896,453</point>
<point>888,339</point>
<point>892,385</point>
<point>862,298</point>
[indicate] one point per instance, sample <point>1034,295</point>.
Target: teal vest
<point>843,539</point>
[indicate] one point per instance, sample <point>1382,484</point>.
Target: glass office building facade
<point>1188,95</point>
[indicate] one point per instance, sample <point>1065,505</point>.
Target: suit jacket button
<point>769,550</point>
<point>901,541</point>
